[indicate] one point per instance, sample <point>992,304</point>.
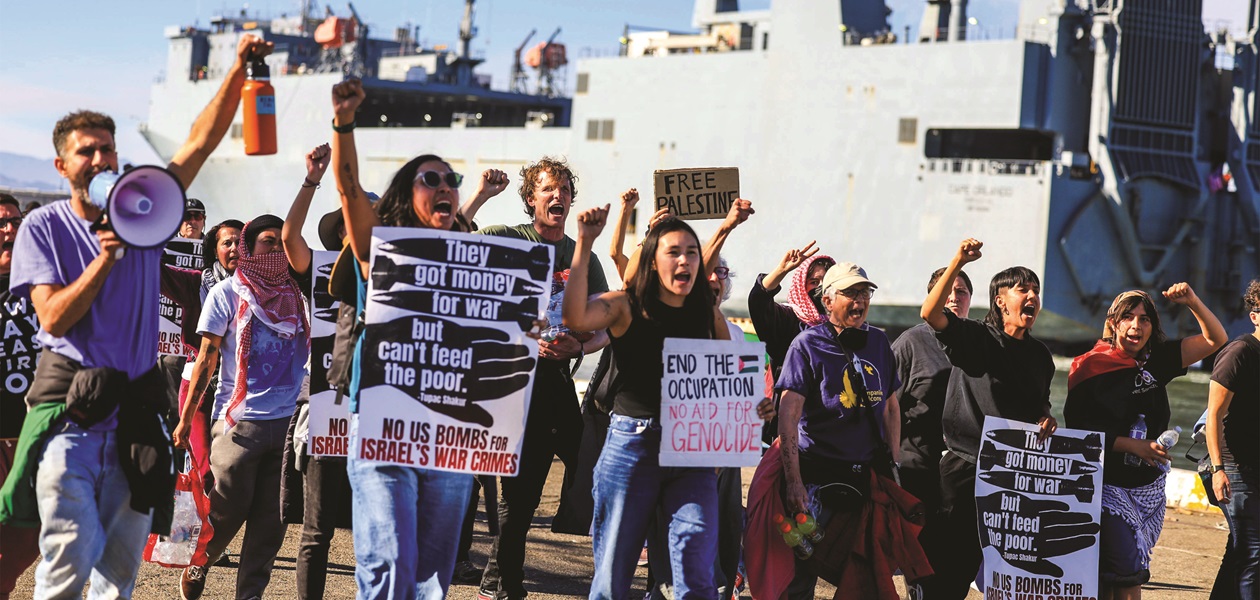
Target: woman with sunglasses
<point>661,300</point>
<point>406,520</point>
<point>1118,383</point>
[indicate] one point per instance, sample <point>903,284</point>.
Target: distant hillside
<point>18,171</point>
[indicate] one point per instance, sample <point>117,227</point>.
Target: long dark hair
<point>395,206</point>
<point>210,243</point>
<point>1006,279</point>
<point>644,290</point>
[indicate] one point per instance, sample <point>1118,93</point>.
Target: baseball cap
<point>194,205</point>
<point>845,275</point>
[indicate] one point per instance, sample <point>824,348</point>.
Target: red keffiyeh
<point>268,294</point>
<point>799,299</point>
<point>1102,358</point>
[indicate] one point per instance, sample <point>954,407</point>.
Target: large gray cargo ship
<point>1109,145</point>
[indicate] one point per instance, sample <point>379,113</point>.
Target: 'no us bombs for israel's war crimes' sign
<point>329,422</point>
<point>697,193</point>
<point>709,398</point>
<point>183,253</point>
<point>1038,506</point>
<point>447,367</point>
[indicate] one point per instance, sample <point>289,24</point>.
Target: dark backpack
<point>349,326</point>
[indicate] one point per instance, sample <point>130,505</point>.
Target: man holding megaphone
<point>93,442</point>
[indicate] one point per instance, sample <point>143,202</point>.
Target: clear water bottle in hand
<point>1169,438</point>
<point>1137,432</point>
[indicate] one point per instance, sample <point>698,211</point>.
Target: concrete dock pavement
<point>559,566</point>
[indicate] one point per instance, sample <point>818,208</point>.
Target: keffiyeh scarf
<point>800,301</point>
<point>270,296</point>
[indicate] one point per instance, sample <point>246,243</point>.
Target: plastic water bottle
<point>808,527</point>
<point>1137,432</point>
<point>1169,438</point>
<point>793,538</point>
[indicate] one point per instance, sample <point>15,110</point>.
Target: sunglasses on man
<point>194,216</point>
<point>434,179</point>
<point>14,221</point>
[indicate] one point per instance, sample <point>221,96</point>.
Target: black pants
<point>554,428</point>
<point>952,542</point>
<point>327,506</point>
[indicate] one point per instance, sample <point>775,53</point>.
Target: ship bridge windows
<point>990,144</point>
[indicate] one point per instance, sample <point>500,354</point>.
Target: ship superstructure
<point>1109,145</point>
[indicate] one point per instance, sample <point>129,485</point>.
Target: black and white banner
<point>184,254</point>
<point>1038,505</point>
<point>329,419</point>
<point>447,367</point>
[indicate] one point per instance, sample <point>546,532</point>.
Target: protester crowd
<point>866,437</point>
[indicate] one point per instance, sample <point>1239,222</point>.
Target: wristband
<point>347,128</point>
<point>306,183</point>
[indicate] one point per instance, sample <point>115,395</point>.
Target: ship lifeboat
<point>554,59</point>
<point>335,31</point>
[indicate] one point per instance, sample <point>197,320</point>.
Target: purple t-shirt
<point>120,329</point>
<point>832,426</point>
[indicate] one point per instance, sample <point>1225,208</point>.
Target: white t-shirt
<point>276,366</point>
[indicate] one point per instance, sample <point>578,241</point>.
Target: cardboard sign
<point>182,253</point>
<point>447,367</point>
<point>697,193</point>
<point>1038,506</point>
<point>329,433</point>
<point>709,399</point>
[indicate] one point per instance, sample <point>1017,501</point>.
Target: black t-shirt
<point>1111,402</point>
<point>1238,370</point>
<point>637,354</point>
<point>776,324</point>
<point>924,372</point>
<point>994,374</point>
<point>554,392</point>
<point>19,353</point>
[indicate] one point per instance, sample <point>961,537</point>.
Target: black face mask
<point>816,297</point>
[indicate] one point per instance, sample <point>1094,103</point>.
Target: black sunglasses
<point>14,221</point>
<point>434,179</point>
<point>194,216</point>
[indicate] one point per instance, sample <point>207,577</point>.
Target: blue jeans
<point>406,527</point>
<point>630,485</point>
<point>88,528</point>
<point>1243,514</point>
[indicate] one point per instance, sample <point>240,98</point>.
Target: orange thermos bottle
<point>259,98</point>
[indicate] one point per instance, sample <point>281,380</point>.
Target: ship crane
<point>547,57</point>
<point>344,44</point>
<point>519,79</point>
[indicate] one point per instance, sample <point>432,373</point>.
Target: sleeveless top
<point>637,355</point>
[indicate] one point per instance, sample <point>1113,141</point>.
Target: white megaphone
<point>144,205</point>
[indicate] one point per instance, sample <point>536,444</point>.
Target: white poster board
<point>182,253</point>
<point>329,433</point>
<point>447,367</point>
<point>709,398</point>
<point>1038,506</point>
